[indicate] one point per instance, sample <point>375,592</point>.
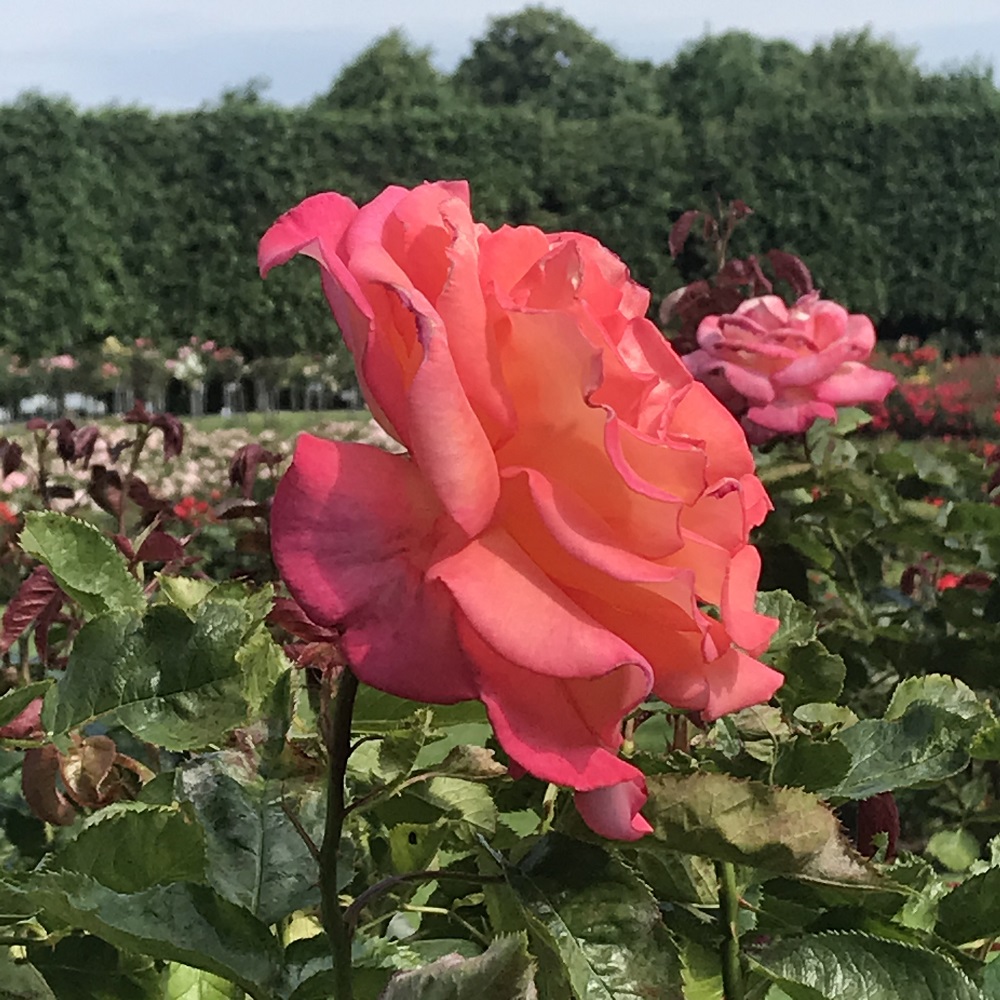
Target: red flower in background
<point>192,509</point>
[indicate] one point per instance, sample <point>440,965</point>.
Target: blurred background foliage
<point>123,221</point>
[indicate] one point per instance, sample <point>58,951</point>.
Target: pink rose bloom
<point>570,500</point>
<point>781,368</point>
<point>62,362</point>
<point>15,480</point>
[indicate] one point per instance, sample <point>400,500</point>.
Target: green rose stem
<point>338,748</point>
<point>729,908</point>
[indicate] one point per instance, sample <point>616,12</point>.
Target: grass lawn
<point>283,423</point>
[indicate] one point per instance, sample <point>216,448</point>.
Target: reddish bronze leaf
<point>160,547</point>
<point>64,428</point>
<point>325,656</point>
<point>173,434</point>
<point>245,464</point>
<point>879,814</point>
<point>739,210</point>
<point>140,494</point>
<point>105,489</point>
<point>33,597</point>
<point>115,450</point>
<point>39,773</point>
<point>761,283</point>
<point>681,229</point>
<point>138,414</point>
<point>84,440</point>
<point>11,454</point>
<point>288,614</point>
<point>27,725</point>
<point>788,267</point>
<point>734,272</point>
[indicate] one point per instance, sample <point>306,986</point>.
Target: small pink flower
<point>61,362</point>
<point>782,368</point>
<point>15,480</point>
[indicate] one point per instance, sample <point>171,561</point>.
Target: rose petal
<point>736,681</point>
<point>323,218</point>
<point>748,629</point>
<point>352,528</point>
<point>855,383</point>
<point>446,437</point>
<point>791,417</point>
<point>564,730</point>
<point>317,227</point>
<point>613,811</point>
<point>522,615</point>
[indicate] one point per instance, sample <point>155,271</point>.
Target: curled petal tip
<point>613,811</point>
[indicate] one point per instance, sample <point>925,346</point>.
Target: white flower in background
<point>189,366</point>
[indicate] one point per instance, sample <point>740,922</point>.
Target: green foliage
<point>956,850</point>
<point>85,563</point>
<point>840,966</point>
<point>21,981</point>
<point>135,224</point>
<point>971,911</point>
<point>16,700</point>
<point>543,58</point>
<point>778,829</point>
<point>129,847</point>
<point>254,856</point>
<point>502,972</point>
<point>923,744</point>
<point>598,920</point>
<point>177,922</point>
<point>181,982</point>
<point>88,968</point>
<point>178,680</point>
<point>388,77</point>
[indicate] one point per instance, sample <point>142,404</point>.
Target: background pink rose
<point>781,368</point>
<point>570,500</point>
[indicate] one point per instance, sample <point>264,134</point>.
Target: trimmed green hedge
<point>121,221</point>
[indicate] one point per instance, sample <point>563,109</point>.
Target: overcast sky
<point>173,54</point>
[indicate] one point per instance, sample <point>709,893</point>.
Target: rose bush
<point>781,368</point>
<point>570,504</point>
